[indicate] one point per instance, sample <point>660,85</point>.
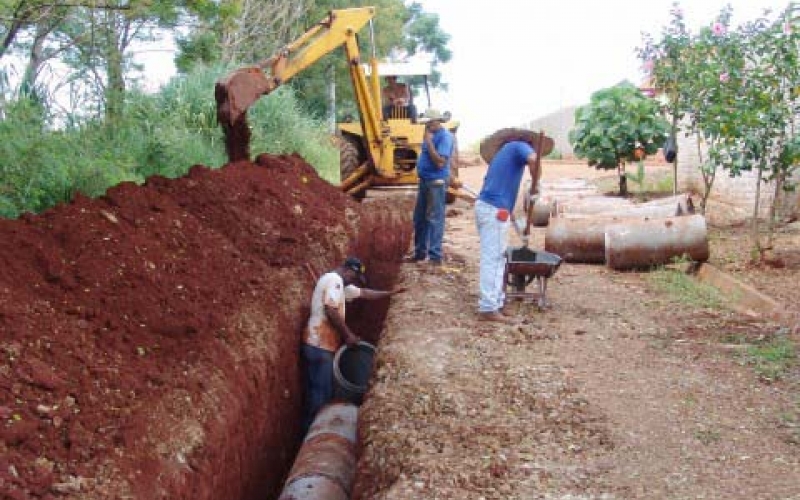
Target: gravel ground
<point>621,389</point>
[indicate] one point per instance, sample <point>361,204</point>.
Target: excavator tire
<point>349,160</point>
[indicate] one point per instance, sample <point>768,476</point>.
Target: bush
<point>162,134</point>
<point>619,125</point>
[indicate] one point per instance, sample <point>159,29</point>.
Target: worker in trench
<point>327,330</point>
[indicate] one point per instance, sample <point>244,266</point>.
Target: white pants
<point>493,234</point>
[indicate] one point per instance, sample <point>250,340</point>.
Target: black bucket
<point>352,368</point>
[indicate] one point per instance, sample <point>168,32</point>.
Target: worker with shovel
<point>327,330</point>
<point>509,153</point>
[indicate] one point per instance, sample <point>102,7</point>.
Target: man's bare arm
<point>438,159</point>
<point>369,294</point>
<point>338,323</point>
<point>536,171</point>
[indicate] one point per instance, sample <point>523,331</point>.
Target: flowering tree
<point>690,73</point>
<point>737,90</point>
<point>670,75</point>
<point>618,125</point>
<point>766,137</point>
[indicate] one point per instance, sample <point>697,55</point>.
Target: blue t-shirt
<point>501,184</point>
<point>426,168</point>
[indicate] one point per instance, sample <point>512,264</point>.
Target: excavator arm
<point>239,90</point>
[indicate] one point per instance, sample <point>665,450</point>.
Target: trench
<point>151,336</point>
<point>311,471</point>
<point>383,234</point>
<point>380,232</point>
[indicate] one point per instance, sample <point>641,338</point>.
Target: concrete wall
<point>557,125</point>
<point>739,192</point>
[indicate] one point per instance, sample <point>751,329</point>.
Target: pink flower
<point>787,28</point>
<point>718,29</point>
<point>724,77</point>
<point>648,65</point>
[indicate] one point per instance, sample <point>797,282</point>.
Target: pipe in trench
<point>325,465</point>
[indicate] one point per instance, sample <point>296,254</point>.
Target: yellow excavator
<point>376,150</point>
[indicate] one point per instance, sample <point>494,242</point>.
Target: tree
<point>247,31</point>
<point>619,125</point>
<point>17,15</point>
<point>738,92</point>
<point>100,40</point>
<point>664,62</point>
<point>763,132</point>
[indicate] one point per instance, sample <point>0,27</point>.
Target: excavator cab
<point>405,127</point>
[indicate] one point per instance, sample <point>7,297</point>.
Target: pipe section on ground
<point>581,240</point>
<point>542,209</point>
<point>639,244</point>
<point>541,212</point>
<point>670,206</point>
<point>325,466</point>
<point>640,211</point>
<point>590,205</point>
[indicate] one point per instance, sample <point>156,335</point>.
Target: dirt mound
<point>150,336</point>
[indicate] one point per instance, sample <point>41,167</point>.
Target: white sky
<point>516,60</point>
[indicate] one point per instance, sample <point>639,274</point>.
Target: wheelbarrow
<point>523,266</point>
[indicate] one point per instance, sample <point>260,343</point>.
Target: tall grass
<point>165,134</point>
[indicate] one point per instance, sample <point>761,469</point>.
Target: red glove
<point>502,214</point>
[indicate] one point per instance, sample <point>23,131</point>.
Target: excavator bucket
<point>238,91</point>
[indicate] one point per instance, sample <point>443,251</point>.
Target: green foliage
<point>738,87</point>
<point>664,184</point>
<point>617,121</point>
<point>638,177</point>
<point>240,33</point>
<point>164,134</point>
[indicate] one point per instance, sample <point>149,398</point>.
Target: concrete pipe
<point>576,240</point>
<point>683,201</point>
<point>633,211</point>
<point>591,205</point>
<point>325,466</point>
<point>632,244</point>
<point>540,216</point>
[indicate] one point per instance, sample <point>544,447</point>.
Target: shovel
<point>518,229</point>
<point>514,222</point>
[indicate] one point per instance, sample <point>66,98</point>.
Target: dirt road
<point>620,390</point>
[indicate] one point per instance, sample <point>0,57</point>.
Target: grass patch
<point>686,290</point>
<point>790,421</point>
<point>643,184</point>
<point>708,436</point>
<point>665,184</point>
<point>772,358</point>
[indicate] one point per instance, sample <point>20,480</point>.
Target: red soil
<point>150,336</point>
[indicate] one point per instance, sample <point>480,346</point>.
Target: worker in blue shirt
<point>493,211</point>
<point>433,170</point>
